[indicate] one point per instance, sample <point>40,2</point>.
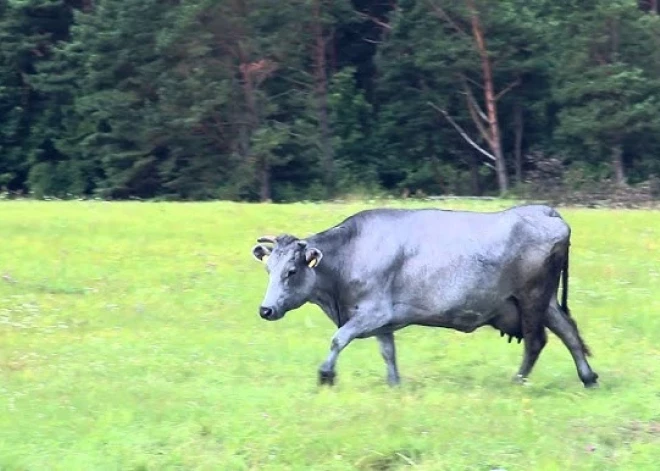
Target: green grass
<point>130,340</point>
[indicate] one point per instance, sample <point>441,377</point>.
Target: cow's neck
<point>330,304</point>
<point>328,291</point>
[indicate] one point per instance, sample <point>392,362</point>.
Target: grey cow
<point>381,270</point>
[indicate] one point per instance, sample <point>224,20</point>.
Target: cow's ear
<point>313,257</point>
<point>260,252</point>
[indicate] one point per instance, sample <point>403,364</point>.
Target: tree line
<point>298,99</point>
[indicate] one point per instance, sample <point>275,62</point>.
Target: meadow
<point>130,340</point>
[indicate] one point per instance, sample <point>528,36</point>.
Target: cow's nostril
<point>265,312</point>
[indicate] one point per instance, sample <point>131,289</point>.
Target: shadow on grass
<point>389,461</point>
<point>457,382</point>
<point>44,287</point>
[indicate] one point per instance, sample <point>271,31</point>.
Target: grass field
<point>130,340</point>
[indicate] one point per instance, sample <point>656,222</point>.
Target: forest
<point>256,100</point>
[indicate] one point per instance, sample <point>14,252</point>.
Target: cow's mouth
<point>269,313</point>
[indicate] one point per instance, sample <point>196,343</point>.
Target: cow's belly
<point>386,329</point>
<point>502,316</point>
<point>465,319</point>
<point>462,297</point>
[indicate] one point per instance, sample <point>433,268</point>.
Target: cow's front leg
<point>388,352</point>
<point>363,323</point>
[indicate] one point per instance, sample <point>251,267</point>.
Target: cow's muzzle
<point>267,313</point>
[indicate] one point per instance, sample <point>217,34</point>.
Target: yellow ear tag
<point>265,258</point>
<point>312,263</point>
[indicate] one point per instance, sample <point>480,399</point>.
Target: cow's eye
<point>291,272</point>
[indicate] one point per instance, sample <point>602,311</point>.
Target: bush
<point>551,181</point>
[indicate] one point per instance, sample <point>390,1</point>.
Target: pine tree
<point>606,82</point>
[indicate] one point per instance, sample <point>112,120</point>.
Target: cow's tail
<point>564,282</point>
<point>564,302</point>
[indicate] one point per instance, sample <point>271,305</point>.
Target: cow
<point>381,270</point>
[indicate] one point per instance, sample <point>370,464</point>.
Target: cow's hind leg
<point>388,352</point>
<point>534,337</point>
<point>565,328</point>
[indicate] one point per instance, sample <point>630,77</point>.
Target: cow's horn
<point>266,239</point>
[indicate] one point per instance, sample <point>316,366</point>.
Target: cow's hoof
<point>519,379</point>
<point>327,377</point>
<point>393,383</point>
<point>591,382</point>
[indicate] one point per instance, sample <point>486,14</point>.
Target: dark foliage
<point>315,98</point>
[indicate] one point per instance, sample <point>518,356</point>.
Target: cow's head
<point>291,264</point>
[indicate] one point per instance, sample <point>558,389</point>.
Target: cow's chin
<point>276,316</point>
<point>280,312</point>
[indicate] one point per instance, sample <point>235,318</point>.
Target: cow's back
<point>436,257</point>
<point>431,233</point>
<point>420,230</point>
<point>408,252</point>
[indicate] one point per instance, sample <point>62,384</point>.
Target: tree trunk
<point>500,168</point>
<point>321,92</point>
<point>518,127</point>
<point>648,6</point>
<point>264,181</point>
<point>617,165</point>
<point>262,165</point>
<point>494,139</point>
<point>259,165</point>
<point>252,122</point>
<point>474,174</point>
